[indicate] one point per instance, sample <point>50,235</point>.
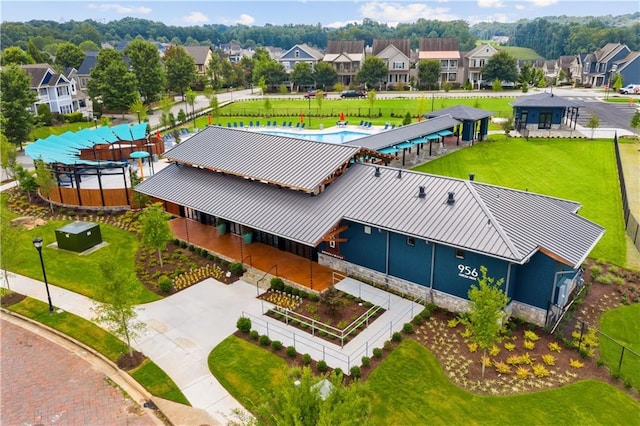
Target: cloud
<point>120,9</point>
<point>339,24</point>
<point>244,19</point>
<point>490,3</point>
<point>195,18</point>
<point>496,17</point>
<point>394,13</point>
<point>542,3</point>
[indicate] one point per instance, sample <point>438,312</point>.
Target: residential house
<point>84,70</point>
<point>347,58</point>
<point>474,60</point>
<point>396,54</point>
<point>566,64</point>
<point>544,111</point>
<point>52,88</point>
<point>445,50</point>
<point>424,235</point>
<point>629,68</point>
<point>202,56</point>
<point>300,53</point>
<point>598,66</point>
<point>234,52</point>
<point>80,99</point>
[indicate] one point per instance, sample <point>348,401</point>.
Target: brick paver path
<point>42,383</point>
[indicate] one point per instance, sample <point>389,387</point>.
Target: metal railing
<point>264,277</point>
<point>631,223</point>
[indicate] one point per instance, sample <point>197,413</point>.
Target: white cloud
<point>246,19</point>
<point>394,13</point>
<point>496,17</point>
<point>542,3</point>
<point>195,18</point>
<point>120,9</point>
<point>339,24</point>
<point>490,3</point>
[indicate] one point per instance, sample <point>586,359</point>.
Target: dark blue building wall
<point>533,116</point>
<point>631,73</point>
<point>536,279</point>
<point>410,262</point>
<point>455,276</point>
<point>368,250</point>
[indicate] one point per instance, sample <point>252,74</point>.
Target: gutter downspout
<point>433,263</point>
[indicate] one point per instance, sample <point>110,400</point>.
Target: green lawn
<point>244,369</point>
<point>622,324</point>
<point>409,387</point>
<point>520,52</point>
<point>149,375</point>
<point>578,170</point>
<point>78,273</point>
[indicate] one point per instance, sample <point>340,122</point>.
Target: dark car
<point>312,94</point>
<point>353,94</point>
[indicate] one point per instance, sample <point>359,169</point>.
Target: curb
<point>125,382</point>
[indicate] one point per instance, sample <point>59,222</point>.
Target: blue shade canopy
<point>139,154</point>
<point>445,133</point>
<point>404,145</point>
<point>65,148</point>
<point>389,150</point>
<point>434,136</point>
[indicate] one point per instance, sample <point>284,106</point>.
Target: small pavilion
<point>474,122</point>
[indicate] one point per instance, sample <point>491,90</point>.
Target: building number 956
<point>467,272</point>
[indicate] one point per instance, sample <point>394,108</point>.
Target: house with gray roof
<point>445,50</point>
<point>202,56</point>
<point>544,111</point>
<point>300,53</point>
<point>53,89</point>
<point>421,234</point>
<point>346,57</point>
<point>396,54</point>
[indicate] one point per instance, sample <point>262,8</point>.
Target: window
<point>453,64</point>
<point>459,254</point>
<point>398,65</point>
<point>296,54</point>
<point>452,76</point>
<point>444,63</point>
<point>367,230</point>
<point>411,241</point>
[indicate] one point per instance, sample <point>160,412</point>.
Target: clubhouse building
<point>342,206</point>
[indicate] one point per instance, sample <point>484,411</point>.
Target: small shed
<point>475,121</point>
<point>78,236</point>
<point>543,111</point>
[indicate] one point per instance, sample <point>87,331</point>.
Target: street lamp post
<point>309,115</point>
<point>37,243</point>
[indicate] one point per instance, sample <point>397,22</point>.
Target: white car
<point>631,89</point>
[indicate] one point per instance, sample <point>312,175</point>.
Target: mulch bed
<point>11,299</point>
<point>129,362</point>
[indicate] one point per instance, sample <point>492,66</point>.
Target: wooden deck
<point>257,255</point>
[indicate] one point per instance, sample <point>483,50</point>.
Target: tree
<point>272,71</point>
<point>89,46</point>
<point>324,75</point>
<point>302,74</point>
<point>215,106</point>
<point>428,73</point>
<point>26,180</point>
<point>139,108</point>
<point>332,300</point>
<point>117,312</point>
<point>190,97</point>
<point>180,69</point>
<point>68,55</point>
<point>44,180</point>
<point>38,57</point>
<point>112,83</point>
<point>298,401</point>
<point>485,318</point>
<point>617,82</point>
<point>15,55</point>
<point>15,104</point>
<point>501,66</point>
<point>635,120</point>
<point>147,66</point>
<point>213,71</point>
<point>155,228</point>
<point>8,156</point>
<point>497,85</point>
<point>8,237</point>
<point>319,99</point>
<point>373,72</point>
<point>593,124</point>
<point>371,96</point>
<point>166,117</point>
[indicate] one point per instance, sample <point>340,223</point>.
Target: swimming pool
<point>341,136</point>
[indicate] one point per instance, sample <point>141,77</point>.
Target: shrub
<point>388,345</point>
<point>165,284</point>
<point>452,323</point>
<point>396,337</point>
<point>356,373</point>
<point>265,340</point>
<point>276,345</point>
<point>473,347</point>
<point>522,372</point>
<point>377,352</point>
<point>338,372</point>
<point>291,352</point>
<point>549,359</point>
<point>509,346</point>
<point>306,359</point>
<point>244,324</point>
<point>540,370</point>
<point>254,335</point>
<point>322,366</point>
<point>530,335</point>
<point>502,367</point>
<point>314,297</point>
<point>277,283</point>
<point>554,347</point>
<point>528,345</point>
<point>366,361</point>
<point>408,328</point>
<point>575,363</point>
<point>596,271</point>
<point>236,268</point>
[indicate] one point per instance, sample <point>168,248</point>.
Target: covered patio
<point>261,257</point>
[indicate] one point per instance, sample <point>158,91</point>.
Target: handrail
<point>249,257</point>
<point>263,277</point>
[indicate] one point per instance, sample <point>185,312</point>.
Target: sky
<point>328,13</point>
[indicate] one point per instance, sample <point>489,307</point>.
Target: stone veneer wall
<point>443,300</point>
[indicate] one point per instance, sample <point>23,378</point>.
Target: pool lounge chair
<point>257,124</point>
<point>251,124</point>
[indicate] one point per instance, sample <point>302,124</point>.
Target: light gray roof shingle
<point>461,112</point>
<point>543,100</point>
<point>498,222</point>
<point>294,163</point>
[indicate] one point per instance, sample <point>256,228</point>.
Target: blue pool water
<point>334,137</point>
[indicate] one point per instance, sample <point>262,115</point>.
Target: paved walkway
<point>45,383</point>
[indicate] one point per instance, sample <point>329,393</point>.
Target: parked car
<point>505,84</point>
<point>312,94</point>
<point>353,94</point>
<point>630,89</point>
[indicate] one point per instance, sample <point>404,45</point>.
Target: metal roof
<point>495,221</point>
<point>542,100</point>
<point>410,132</point>
<point>65,148</point>
<point>293,163</point>
<point>461,112</point>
